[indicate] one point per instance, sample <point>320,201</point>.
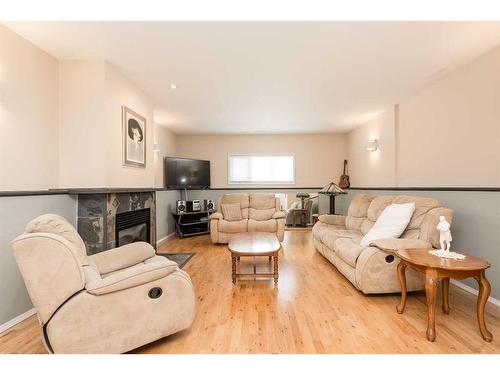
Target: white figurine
<point>444,239</point>
<point>444,233</point>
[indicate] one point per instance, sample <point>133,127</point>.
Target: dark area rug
<point>180,258</point>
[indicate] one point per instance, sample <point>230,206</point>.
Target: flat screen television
<point>182,173</point>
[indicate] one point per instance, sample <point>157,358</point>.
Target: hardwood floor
<point>314,309</point>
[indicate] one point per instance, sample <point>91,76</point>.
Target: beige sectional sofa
<point>373,269</point>
<point>260,213</point>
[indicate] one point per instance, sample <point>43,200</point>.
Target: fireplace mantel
<point>80,191</point>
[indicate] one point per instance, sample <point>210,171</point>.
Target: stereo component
<point>180,207</point>
<point>193,206</point>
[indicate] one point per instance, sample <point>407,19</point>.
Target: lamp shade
<point>332,188</point>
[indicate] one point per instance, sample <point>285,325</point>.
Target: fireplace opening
<point>133,226</point>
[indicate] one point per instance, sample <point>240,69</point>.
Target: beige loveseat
<point>260,213</point>
<point>110,302</point>
<point>373,269</point>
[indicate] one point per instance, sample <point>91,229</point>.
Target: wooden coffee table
<point>438,269</point>
<point>254,244</point>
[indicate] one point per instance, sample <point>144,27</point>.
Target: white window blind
<point>251,169</point>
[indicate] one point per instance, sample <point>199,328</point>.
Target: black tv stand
<point>189,224</point>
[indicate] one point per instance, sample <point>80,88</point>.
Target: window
<point>254,169</point>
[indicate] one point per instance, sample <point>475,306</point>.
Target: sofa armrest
<point>216,216</point>
<point>122,257</point>
<point>154,269</point>
<point>391,245</point>
<point>279,215</point>
<point>332,219</point>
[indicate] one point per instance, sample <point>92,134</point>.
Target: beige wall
<point>65,121</point>
<point>167,144</point>
<point>318,157</point>
<point>28,115</point>
<point>91,96</point>
<point>378,168</point>
<point>81,124</point>
<point>448,134</point>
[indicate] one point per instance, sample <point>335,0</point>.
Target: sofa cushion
<point>329,237</point>
<point>338,220</point>
<point>378,205</point>
<point>51,223</point>
<point>263,201</point>
<point>242,199</point>
<point>358,210</point>
<point>270,226</point>
<point>261,214</point>
<point>348,249</point>
<point>319,228</point>
<point>422,206</point>
<point>233,226</point>
<point>231,211</point>
<point>391,223</point>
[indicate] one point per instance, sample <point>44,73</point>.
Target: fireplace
<point>105,216</point>
<point>133,226</point>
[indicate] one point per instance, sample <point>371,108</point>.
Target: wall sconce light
<point>372,145</point>
<point>156,147</point>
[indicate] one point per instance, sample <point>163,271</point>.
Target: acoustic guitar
<point>344,179</point>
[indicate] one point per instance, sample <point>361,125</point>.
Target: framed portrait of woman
<point>134,138</point>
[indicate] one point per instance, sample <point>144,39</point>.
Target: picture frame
<point>133,138</point>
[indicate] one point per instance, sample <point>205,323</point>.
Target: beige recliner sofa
<point>372,269</point>
<point>260,212</point>
<point>110,302</point>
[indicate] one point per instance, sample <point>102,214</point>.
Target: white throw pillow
<point>391,223</point>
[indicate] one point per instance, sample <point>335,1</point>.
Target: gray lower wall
<point>475,227</point>
<point>15,213</point>
<point>165,205</point>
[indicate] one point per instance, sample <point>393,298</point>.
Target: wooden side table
<point>438,269</point>
<point>302,214</point>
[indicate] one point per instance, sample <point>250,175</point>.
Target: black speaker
<point>180,207</point>
<point>209,205</point>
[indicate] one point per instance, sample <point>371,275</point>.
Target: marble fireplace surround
<point>96,215</point>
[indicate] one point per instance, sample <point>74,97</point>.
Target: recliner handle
<point>155,292</point>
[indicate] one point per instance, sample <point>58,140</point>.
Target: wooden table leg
<point>445,284</point>
<point>233,260</point>
<point>275,268</point>
<point>431,284</point>
<point>482,298</point>
<point>402,282</point>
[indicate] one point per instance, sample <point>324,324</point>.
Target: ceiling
<point>270,77</point>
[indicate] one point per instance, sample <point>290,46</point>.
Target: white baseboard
<point>158,243</point>
<point>467,288</point>
<point>18,319</point>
